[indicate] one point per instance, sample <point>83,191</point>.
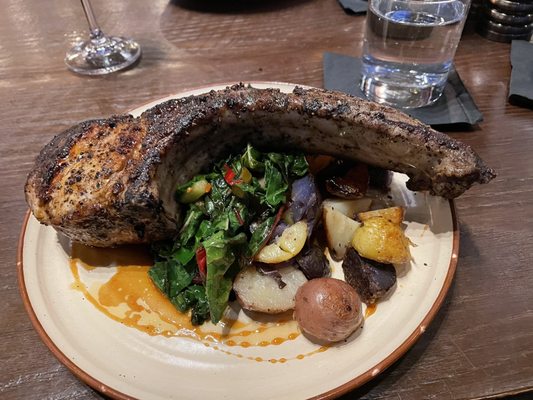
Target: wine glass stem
<point>96,32</point>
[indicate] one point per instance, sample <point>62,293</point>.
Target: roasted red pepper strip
<point>229,176</point>
<point>201,261</point>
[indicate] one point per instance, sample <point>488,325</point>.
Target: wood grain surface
<point>481,343</point>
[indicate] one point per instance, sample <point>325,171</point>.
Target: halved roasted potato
<point>262,293</point>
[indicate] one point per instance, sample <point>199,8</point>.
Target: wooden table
<point>481,342</point>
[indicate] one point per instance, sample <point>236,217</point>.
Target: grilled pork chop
<point>110,181</point>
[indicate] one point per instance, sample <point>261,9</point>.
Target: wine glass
<point>101,54</point>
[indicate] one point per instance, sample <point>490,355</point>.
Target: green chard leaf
<point>180,276</point>
<point>251,159</point>
<point>193,297</point>
<point>259,235</point>
<point>174,274</point>
<point>238,216</point>
<point>183,255</point>
<point>200,311</point>
<point>219,198</point>
<point>159,275</point>
<point>290,165</point>
<point>221,221</point>
<point>163,250</point>
<point>299,165</point>
<point>275,184</point>
<point>204,230</point>
<point>183,301</point>
<point>193,219</point>
<point>220,257</point>
<point>253,188</point>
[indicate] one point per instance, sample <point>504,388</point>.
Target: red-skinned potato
<point>328,309</point>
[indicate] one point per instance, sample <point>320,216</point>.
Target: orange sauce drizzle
<point>370,309</point>
<point>130,297</point>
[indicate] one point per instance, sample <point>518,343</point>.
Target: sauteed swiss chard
<point>230,215</point>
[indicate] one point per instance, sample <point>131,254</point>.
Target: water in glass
<point>408,49</point>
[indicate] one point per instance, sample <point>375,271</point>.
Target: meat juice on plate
<point>408,49</point>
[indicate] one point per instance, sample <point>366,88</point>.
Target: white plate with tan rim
<point>113,335</point>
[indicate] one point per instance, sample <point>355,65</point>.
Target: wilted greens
<point>229,215</point>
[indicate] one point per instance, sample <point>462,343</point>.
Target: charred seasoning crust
<point>176,117</point>
<point>108,171</point>
<point>54,156</point>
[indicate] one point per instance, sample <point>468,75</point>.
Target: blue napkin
<point>455,106</point>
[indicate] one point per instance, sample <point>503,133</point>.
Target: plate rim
<point>330,394</point>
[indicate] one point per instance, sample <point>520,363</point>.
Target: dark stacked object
<point>506,20</point>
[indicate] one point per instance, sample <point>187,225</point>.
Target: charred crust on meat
<point>117,188</point>
<point>128,166</point>
<point>139,228</point>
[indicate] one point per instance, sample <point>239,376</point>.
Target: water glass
<point>408,49</point>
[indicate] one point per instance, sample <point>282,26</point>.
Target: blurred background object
<point>506,20</point>
<point>101,54</point>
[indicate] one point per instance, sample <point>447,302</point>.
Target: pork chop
<point>111,181</point>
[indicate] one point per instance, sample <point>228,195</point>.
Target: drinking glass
<point>101,54</point>
<point>408,49</point>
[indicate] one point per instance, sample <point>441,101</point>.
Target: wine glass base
<point>102,55</point>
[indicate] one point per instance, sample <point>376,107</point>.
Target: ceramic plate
<point>125,362</point>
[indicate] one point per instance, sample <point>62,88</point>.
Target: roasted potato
<point>258,292</point>
<point>381,240</point>
<point>328,309</point>
<point>290,243</point>
<point>371,279</point>
<point>350,208</point>
<point>339,231</point>
<point>393,214</point>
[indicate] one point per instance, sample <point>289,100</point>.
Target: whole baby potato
<point>328,309</point>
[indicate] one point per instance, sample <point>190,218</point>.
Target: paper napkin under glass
<point>354,6</point>
<point>521,85</point>
<point>455,106</point>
